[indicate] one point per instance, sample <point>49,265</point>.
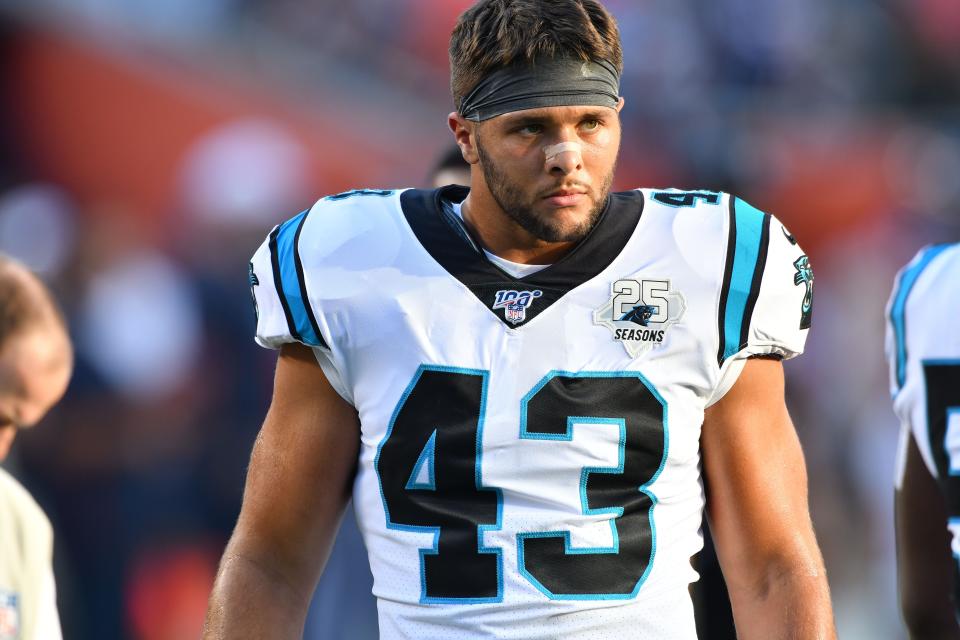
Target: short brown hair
<point>25,302</point>
<point>496,33</point>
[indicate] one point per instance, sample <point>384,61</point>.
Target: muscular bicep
<point>300,472</point>
<point>925,564</point>
<point>757,489</point>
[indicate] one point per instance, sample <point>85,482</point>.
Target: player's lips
<point>566,197</point>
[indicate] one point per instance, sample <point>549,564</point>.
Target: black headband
<point>548,82</point>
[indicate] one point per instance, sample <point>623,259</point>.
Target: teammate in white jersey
<point>511,379</point>
<point>923,347</point>
<point>36,360</point>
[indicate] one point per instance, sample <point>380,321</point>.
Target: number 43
<point>429,466</point>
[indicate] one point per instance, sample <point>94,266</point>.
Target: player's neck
<point>502,236</point>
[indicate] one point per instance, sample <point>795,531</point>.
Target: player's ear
<point>464,131</point>
<point>620,104</point>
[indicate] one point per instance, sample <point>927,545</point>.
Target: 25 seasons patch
<point>640,313</point>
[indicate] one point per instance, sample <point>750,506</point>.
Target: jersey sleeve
<point>284,307</point>
<point>896,339</point>
<point>766,298</point>
<point>896,309</point>
<point>284,311</point>
<point>908,300</point>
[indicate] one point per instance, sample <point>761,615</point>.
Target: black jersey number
<point>681,199</point>
<point>429,466</point>
<point>429,470</point>
<point>943,400</point>
<point>624,402</point>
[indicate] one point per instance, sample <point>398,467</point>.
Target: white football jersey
<point>530,458</point>
<point>28,595</point>
<point>923,348</point>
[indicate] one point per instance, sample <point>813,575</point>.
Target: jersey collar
<point>445,237</point>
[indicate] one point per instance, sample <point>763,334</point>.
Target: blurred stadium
<point>146,148</point>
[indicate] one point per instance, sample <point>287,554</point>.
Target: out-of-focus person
<point>923,348</point>
<point>450,168</point>
<point>36,360</point>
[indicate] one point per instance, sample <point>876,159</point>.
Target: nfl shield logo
<point>9,616</point>
<point>515,303</point>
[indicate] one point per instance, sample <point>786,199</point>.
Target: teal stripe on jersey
<point>293,287</point>
<point>749,233</point>
<point>899,307</point>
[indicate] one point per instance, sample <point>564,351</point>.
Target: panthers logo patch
<point>804,277</point>
<point>640,315</point>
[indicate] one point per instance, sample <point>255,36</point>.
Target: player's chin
<point>565,225</point>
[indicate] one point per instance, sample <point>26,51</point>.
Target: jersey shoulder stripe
<point>898,306</point>
<point>290,284</point>
<point>749,236</point>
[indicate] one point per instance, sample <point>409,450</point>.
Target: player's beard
<point>510,196</point>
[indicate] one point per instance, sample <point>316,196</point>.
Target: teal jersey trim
<point>292,286</point>
<point>425,460</point>
<point>898,309</point>
<point>746,260</point>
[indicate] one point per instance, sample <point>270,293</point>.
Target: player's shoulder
<point>710,211</point>
<point>677,200</point>
<point>705,203</point>
<point>358,199</point>
<point>925,284</point>
<point>700,218</point>
<point>335,225</point>
<point>17,502</point>
<point>921,286</point>
<point>922,277</point>
<point>343,211</point>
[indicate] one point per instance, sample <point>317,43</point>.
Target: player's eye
<point>591,125</point>
<point>531,129</point>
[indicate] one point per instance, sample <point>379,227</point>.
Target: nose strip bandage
<point>555,150</point>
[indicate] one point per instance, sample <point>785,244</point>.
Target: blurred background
<point>146,149</point>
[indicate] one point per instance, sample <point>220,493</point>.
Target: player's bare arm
<point>924,561</point>
<point>297,487</point>
<point>757,505</point>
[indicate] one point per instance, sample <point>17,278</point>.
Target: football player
<point>36,361</point>
<point>923,347</point>
<point>519,381</point>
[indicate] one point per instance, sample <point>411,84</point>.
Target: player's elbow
<point>801,574</point>
<point>798,576</point>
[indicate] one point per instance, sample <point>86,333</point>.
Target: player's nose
<point>564,157</point>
